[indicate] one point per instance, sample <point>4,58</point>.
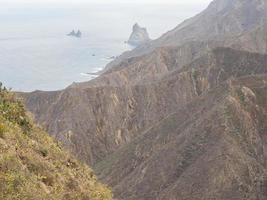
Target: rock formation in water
<point>139,36</point>
<point>72,33</point>
<point>198,124</point>
<point>77,34</point>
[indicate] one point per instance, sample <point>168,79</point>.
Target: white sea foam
<point>85,74</point>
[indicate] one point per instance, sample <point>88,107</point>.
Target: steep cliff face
<point>212,148</point>
<point>33,166</point>
<point>94,118</point>
<point>182,117</point>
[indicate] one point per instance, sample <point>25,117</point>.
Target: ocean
<point>37,54</point>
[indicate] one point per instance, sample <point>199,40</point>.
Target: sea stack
<point>79,34</point>
<point>74,34</point>
<point>139,36</point>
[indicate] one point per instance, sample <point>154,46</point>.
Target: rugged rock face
<point>119,109</point>
<point>139,36</point>
<point>212,148</point>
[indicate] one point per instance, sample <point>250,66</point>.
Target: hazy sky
<point>109,1</point>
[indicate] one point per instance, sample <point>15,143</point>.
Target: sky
<point>107,1</point>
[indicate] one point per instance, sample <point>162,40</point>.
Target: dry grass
<point>33,166</point>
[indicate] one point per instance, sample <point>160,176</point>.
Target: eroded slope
<point>213,148</point>
<point>94,119</point>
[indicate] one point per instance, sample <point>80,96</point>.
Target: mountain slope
<point>33,166</point>
<point>222,19</point>
<point>213,148</point>
<point>182,117</point>
<point>94,119</point>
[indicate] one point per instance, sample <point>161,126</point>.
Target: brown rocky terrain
<point>183,125</point>
<point>182,117</point>
<point>94,119</point>
<point>212,148</point>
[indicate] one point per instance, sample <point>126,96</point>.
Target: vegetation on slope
<point>33,166</point>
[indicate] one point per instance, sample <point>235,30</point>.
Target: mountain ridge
<point>210,24</point>
<point>105,102</point>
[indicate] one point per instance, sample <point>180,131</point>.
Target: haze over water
<point>35,52</point>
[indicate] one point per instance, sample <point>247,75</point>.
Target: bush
<point>194,74</point>
<point>13,110</point>
<point>43,152</point>
<point>241,95</point>
<point>10,185</point>
<point>9,162</point>
<point>2,130</point>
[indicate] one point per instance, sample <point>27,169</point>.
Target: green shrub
<point>13,110</point>
<point>194,74</point>
<point>43,152</point>
<point>9,162</point>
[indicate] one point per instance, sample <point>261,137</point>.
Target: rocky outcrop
<point>139,36</point>
<point>77,34</point>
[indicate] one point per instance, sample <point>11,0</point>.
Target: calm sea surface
<point>35,52</point>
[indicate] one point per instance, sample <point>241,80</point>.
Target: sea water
<point>37,54</point>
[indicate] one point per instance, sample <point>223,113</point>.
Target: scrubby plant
<point>194,74</point>
<point>2,130</point>
<point>240,95</point>
<point>13,109</point>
